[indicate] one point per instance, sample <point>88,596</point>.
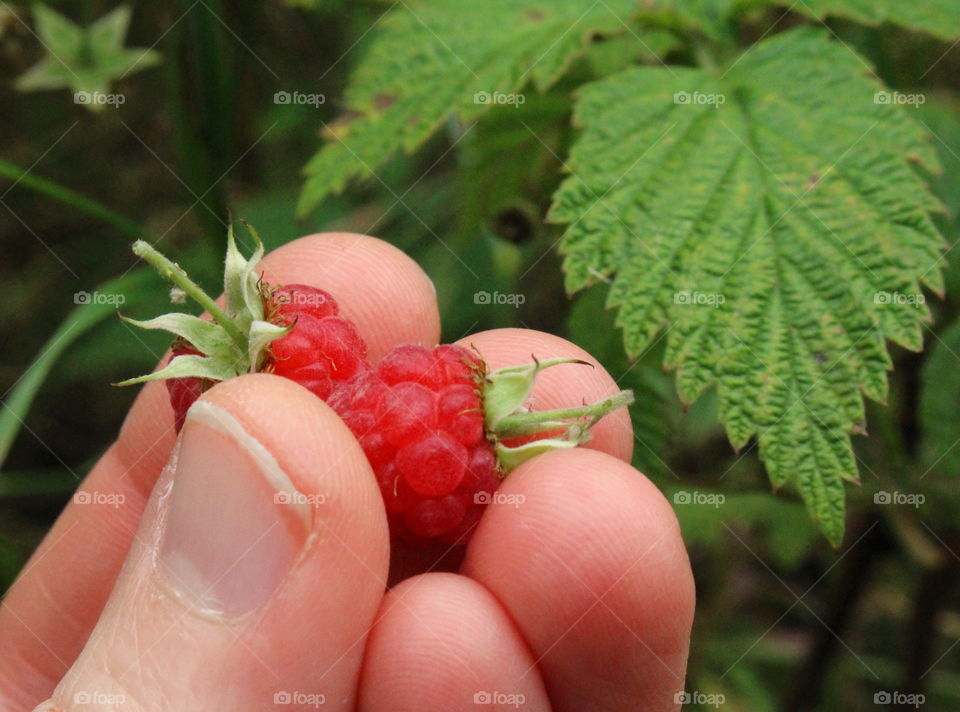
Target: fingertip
<point>381,289</point>
<point>587,557</point>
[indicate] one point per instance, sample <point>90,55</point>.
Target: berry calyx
<point>294,330</point>
<point>441,432</point>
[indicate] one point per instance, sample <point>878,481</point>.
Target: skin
<point>580,598</point>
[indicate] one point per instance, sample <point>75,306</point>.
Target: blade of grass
<point>18,400</point>
<point>69,197</point>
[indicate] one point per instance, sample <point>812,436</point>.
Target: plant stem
<point>175,273</point>
<point>544,420</point>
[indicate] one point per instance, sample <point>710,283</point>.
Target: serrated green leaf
<point>940,18</point>
<point>768,216</point>
<point>939,400</point>
<point>430,60</point>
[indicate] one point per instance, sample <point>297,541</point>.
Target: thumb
<point>257,569</point>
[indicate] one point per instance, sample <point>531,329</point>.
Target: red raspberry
<point>294,331</point>
<point>418,417</point>
<point>322,348</point>
<point>184,391</point>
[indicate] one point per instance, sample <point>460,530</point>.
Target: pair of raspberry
<point>438,429</point>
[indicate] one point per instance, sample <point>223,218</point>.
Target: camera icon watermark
<point>699,98</point>
<point>83,297</point>
<point>99,98</point>
<point>910,499</point>
<point>696,697</point>
<point>299,498</point>
<point>899,298</point>
<point>710,499</point>
<point>298,98</point>
<point>901,699</point>
<point>101,699</point>
<point>301,699</point>
<point>109,499</point>
<point>897,98</point>
<point>708,299</point>
<point>513,500</point>
<point>503,699</point>
<point>499,298</point>
<point>499,98</point>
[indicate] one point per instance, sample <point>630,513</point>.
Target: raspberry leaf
<point>771,220</point>
<point>429,61</point>
<point>939,18</point>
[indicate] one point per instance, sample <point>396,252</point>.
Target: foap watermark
<point>913,299</point>
<point>910,499</point>
<point>699,98</point>
<point>101,699</point>
<point>99,98</point>
<point>699,299</point>
<point>704,699</point>
<point>499,98</point>
<point>899,98</point>
<point>299,98</point>
<point>301,298</point>
<point>513,500</point>
<point>110,499</point>
<point>493,697</point>
<point>901,699</point>
<point>711,499</point>
<point>301,699</point>
<point>311,499</point>
<point>82,297</point>
<point>513,300</point>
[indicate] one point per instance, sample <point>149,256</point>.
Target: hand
<point>575,592</point>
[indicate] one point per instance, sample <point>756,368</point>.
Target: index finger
<point>50,610</point>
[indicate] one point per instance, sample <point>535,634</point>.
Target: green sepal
<point>504,393</point>
<point>512,457</point>
<point>206,336</point>
<point>262,333</point>
<point>187,366</point>
<point>237,340</point>
<point>506,390</point>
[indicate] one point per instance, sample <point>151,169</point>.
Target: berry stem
<point>173,272</point>
<point>531,423</point>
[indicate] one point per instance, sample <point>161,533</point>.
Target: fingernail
<point>234,524</point>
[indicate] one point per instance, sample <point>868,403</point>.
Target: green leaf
<point>428,61</point>
<point>939,398</point>
<point>84,60</point>
<point>940,18</point>
<point>770,218</point>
